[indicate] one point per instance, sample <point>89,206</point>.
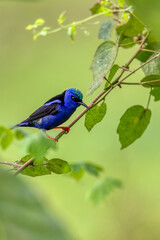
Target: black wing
<point>58,97</point>
<point>43,111</point>
<point>46,109</point>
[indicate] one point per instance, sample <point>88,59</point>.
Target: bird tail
<point>23,124</point>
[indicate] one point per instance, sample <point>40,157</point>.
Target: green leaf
<point>125,42</point>
<point>132,28</point>
<point>19,134</point>
<point>112,72</point>
<point>58,166</point>
<point>93,169</point>
<point>102,62</point>
<point>6,137</point>
<point>100,7</point>
<point>156,93</point>
<point>39,221</point>
<point>121,2</point>
<point>39,22</point>
<point>132,124</point>
<point>102,189</point>
<point>151,43</point>
<point>61,18</point>
<point>151,78</point>
<point>30,27</point>
<point>39,146</point>
<point>106,29</point>
<point>72,32</point>
<point>94,116</point>
<point>35,171</point>
<point>77,171</point>
<point>32,170</point>
<point>44,31</point>
<point>153,67</point>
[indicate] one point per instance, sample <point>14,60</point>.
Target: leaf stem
<point>149,98</point>
<point>149,50</point>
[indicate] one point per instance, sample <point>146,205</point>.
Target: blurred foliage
<point>148,11</point>
<point>102,188</point>
<point>24,215</point>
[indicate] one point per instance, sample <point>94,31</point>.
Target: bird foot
<point>53,139</point>
<point>67,129</point>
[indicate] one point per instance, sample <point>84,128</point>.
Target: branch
<point>140,83</point>
<point>22,167</point>
<point>105,92</point>
<point>101,96</point>
<point>85,20</point>
<point>8,163</point>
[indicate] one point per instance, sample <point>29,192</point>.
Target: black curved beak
<point>82,103</point>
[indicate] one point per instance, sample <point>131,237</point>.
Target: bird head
<point>73,98</point>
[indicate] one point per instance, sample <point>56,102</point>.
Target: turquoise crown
<point>77,93</point>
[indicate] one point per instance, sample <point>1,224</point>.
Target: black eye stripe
<point>75,99</point>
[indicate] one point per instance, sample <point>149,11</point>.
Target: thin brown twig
<point>149,98</point>
<point>22,167</point>
<point>130,43</point>
<point>149,50</point>
<point>8,163</point>
<point>140,83</point>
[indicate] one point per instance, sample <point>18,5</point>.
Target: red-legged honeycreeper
<point>55,111</point>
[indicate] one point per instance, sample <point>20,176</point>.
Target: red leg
<point>53,139</point>
<point>67,129</point>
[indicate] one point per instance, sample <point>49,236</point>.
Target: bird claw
<point>67,129</point>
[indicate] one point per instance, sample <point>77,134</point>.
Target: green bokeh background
<point>31,73</point>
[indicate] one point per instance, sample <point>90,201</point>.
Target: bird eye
<point>75,99</point>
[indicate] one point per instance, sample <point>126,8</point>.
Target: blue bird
<point>55,111</point>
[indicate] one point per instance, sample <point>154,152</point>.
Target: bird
<point>55,111</point>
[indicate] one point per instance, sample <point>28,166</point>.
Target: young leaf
<point>106,29</point>
<point>44,31</point>
<point>153,67</point>
<point>156,93</point>
<point>72,32</point>
<point>94,116</point>
<point>61,18</point>
<point>39,22</point>
<point>38,147</point>
<point>102,189</point>
<point>132,124</point>
<point>151,78</point>
<point>6,137</point>
<point>102,62</point>
<point>121,2</point>
<point>58,166</point>
<point>132,28</point>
